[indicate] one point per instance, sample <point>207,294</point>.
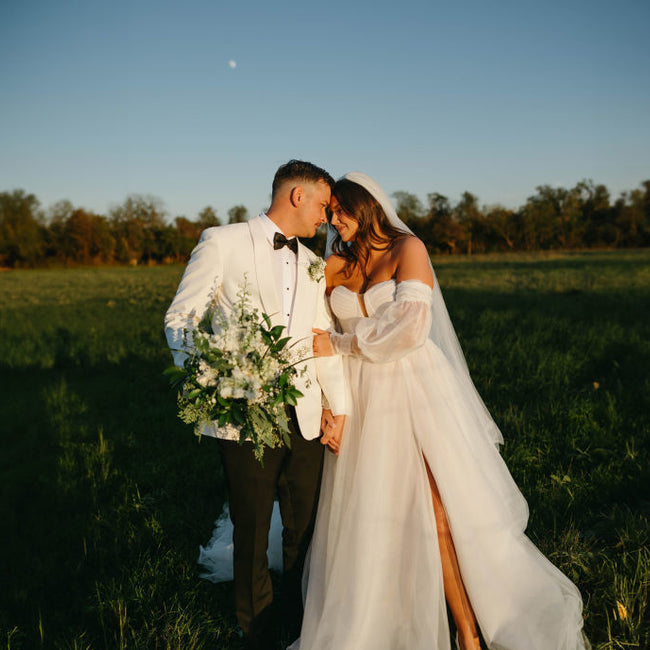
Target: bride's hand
<point>322,345</point>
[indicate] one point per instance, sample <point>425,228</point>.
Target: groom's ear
<point>296,195</point>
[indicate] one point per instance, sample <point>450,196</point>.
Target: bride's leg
<point>455,593</point>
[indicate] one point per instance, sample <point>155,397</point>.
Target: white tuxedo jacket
<point>224,256</point>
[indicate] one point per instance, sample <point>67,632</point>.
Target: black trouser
<point>295,474</point>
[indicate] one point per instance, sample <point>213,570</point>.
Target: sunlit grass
<point>106,496</point>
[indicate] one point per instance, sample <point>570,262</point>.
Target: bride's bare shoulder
<point>413,261</point>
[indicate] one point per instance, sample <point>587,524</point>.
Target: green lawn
<point>106,495</point>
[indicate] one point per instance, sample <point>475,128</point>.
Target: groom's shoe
<point>259,644</point>
<point>267,641</point>
<point>264,632</point>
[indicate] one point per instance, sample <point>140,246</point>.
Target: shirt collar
<point>270,227</point>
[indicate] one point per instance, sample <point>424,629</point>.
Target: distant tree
<point>409,208</point>
<point>237,214</point>
<point>559,218</point>
<point>208,218</point>
<point>502,225</point>
<point>88,238</point>
<point>445,233</point>
<point>189,229</point>
<point>171,245</point>
<point>187,235</point>
<point>469,216</point>
<point>542,218</point>
<point>59,212</point>
<point>22,231</point>
<point>633,217</point>
<point>57,215</point>
<point>439,205</point>
<point>573,221</point>
<point>77,235</point>
<point>597,218</point>
<point>103,241</point>
<point>136,225</point>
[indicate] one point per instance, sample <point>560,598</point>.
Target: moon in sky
<point>232,63</point>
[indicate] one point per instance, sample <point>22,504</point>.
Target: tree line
<point>134,232</point>
<point>138,232</point>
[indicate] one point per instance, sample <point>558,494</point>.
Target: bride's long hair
<point>375,231</point>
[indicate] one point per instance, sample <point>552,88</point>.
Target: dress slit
<point>455,592</point>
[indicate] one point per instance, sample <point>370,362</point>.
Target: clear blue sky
<point>102,99</point>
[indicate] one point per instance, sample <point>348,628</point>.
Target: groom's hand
<point>332,430</point>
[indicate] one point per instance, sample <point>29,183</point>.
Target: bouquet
<point>240,371</point>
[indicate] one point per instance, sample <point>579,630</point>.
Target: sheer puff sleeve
<point>397,327</point>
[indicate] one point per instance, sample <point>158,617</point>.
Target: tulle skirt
<point>373,579</point>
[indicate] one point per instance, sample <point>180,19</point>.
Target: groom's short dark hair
<point>300,170</point>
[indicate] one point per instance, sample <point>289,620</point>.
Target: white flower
<point>316,269</point>
<point>206,376</point>
<point>226,389</point>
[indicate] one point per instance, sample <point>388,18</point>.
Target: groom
<point>283,282</point>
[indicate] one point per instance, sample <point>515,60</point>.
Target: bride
<point>418,509</point>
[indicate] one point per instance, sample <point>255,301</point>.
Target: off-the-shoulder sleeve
<point>397,328</point>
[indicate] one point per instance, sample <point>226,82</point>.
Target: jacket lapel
<point>264,271</point>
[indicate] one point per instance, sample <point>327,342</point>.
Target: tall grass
<point>106,495</point>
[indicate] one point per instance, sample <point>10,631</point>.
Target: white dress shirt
<point>284,269</point>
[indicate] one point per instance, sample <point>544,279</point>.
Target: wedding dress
<point>373,577</point>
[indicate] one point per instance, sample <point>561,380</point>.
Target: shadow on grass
<point>107,496</point>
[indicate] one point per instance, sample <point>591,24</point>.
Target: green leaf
<point>281,343</point>
<point>237,414</point>
<point>282,420</point>
<point>174,372</point>
<point>286,437</point>
<point>244,433</point>
<point>276,331</point>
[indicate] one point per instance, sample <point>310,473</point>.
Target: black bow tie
<point>279,240</point>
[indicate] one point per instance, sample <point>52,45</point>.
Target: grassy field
<point>106,496</point>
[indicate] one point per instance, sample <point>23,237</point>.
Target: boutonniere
<point>316,269</point>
